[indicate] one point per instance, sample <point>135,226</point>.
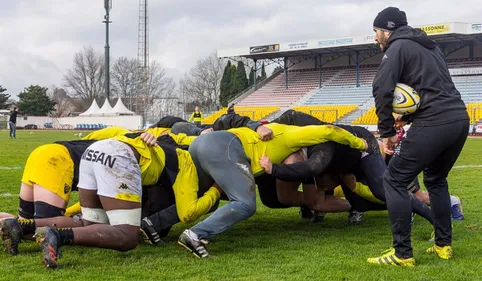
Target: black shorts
<point>267,192</point>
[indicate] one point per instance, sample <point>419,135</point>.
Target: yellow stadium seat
<point>370,117</point>
<point>475,112</point>
<point>253,112</point>
<point>327,113</point>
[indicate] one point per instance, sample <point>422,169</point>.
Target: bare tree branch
<point>124,77</point>
<point>63,103</point>
<point>160,86</point>
<point>202,83</point>
<point>86,77</point>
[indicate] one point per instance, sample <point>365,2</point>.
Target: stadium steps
<point>305,98</point>
<point>335,76</point>
<point>362,109</point>
<point>251,90</point>
<point>276,114</point>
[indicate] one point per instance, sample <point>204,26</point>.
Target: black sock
<point>27,225</point>
<point>66,236</point>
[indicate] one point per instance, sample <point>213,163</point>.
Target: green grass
<point>272,245</point>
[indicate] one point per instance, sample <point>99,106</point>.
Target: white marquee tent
<point>121,109</point>
<point>93,109</point>
<point>107,110</point>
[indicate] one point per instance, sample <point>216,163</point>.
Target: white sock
<point>454,200</point>
<point>192,234</point>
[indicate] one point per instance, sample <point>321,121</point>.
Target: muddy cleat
<point>355,217</point>
<point>12,234</point>
<point>197,248</point>
<point>388,257</point>
<point>306,213</point>
<point>48,240</point>
<point>318,217</point>
<point>444,252</point>
<point>149,234</point>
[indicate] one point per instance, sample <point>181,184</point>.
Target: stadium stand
<point>369,118</point>
<point>253,112</point>
<point>327,113</point>
<point>464,63</point>
<point>348,67</point>
<point>475,112</point>
<point>340,94</point>
<point>470,88</point>
<point>276,93</point>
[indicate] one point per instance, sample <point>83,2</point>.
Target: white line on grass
<point>9,168</point>
<point>8,195</point>
<point>467,167</point>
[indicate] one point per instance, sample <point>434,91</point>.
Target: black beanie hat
<point>390,19</point>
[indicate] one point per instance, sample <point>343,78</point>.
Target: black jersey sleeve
<point>319,157</point>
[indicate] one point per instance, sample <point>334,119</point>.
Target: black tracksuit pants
<point>434,151</point>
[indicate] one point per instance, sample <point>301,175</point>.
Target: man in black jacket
<point>12,123</point>
<point>435,139</point>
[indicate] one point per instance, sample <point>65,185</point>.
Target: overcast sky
<point>39,37</point>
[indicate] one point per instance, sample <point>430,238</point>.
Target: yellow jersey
<point>288,139</point>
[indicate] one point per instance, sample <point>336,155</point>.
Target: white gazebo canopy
<point>120,109</point>
<point>106,108</point>
<point>93,109</point>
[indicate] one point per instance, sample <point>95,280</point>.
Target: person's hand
<point>209,130</point>
<point>149,139</point>
<point>215,185</point>
<point>265,133</point>
<point>398,121</point>
<point>389,144</point>
<point>366,144</point>
<point>349,180</point>
<point>266,164</point>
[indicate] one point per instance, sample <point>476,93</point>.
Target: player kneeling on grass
<point>110,192</point>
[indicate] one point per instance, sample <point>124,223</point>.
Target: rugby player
<point>229,165</point>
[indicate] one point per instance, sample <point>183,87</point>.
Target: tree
<point>263,73</point>
<point>124,78</point>
<point>34,101</point>
<point>225,85</point>
<point>277,69</point>
<point>63,103</point>
<point>232,83</point>
<point>203,82</point>
<point>160,86</point>
<point>3,98</point>
<point>251,77</point>
<point>240,80</point>
<point>86,77</point>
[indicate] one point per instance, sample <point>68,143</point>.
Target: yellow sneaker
<point>388,257</point>
<point>444,252</point>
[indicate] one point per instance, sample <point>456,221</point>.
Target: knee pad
<point>44,210</point>
<point>130,217</point>
<point>95,215</point>
<point>26,209</point>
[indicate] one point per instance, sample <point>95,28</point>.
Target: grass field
<point>272,245</point>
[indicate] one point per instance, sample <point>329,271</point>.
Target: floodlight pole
<point>107,6</point>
